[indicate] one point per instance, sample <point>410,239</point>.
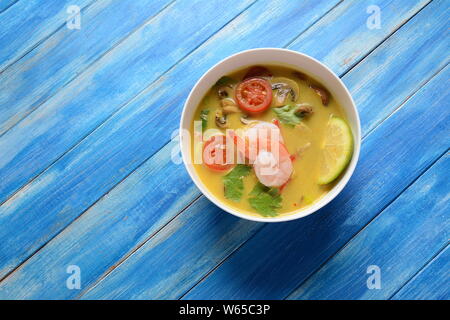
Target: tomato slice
<point>254,95</point>
<point>215,155</point>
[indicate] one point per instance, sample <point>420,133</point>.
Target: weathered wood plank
<point>431,283</point>
<point>125,139</point>
<point>70,115</point>
<point>281,256</point>
<point>28,23</point>
<point>183,273</point>
<point>347,26</point>
<point>116,223</point>
<point>86,184</point>
<point>419,34</point>
<point>399,242</point>
<point>164,91</point>
<point>53,64</point>
<point>122,137</point>
<point>183,276</point>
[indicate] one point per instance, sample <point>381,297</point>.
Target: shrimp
<point>263,129</point>
<point>273,167</point>
<point>263,146</point>
<point>255,138</point>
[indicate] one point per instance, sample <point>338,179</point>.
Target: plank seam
<point>364,137</point>
<point>221,262</point>
<point>312,24</point>
<point>133,251</point>
<point>6,8</point>
<point>132,99</point>
<point>74,220</point>
<point>191,203</point>
<point>140,245</point>
<point>85,69</point>
<point>97,128</point>
<point>311,274</point>
<point>34,46</point>
<point>140,164</point>
<point>357,62</point>
<point>421,85</point>
<point>444,247</point>
<point>405,22</point>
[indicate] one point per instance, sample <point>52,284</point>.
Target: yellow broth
<point>302,189</point>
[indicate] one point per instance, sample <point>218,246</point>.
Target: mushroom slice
<point>246,121</point>
<point>227,102</point>
<point>300,75</point>
<point>258,71</point>
<point>222,92</point>
<point>230,109</point>
<point>285,88</point>
<point>225,91</point>
<point>322,93</point>
<point>304,109</point>
<point>221,119</point>
<point>229,106</point>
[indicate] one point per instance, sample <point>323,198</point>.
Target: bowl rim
<point>300,213</point>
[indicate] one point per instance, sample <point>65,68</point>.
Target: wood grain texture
<point>65,54</point>
<point>344,36</point>
<point>103,133</point>
<point>142,128</point>
<point>288,253</point>
<point>5,4</point>
<point>169,280</point>
<point>105,87</point>
<point>121,144</point>
<point>28,23</point>
<point>431,283</point>
<point>125,139</point>
<point>98,93</point>
<point>125,284</point>
<point>399,241</point>
<point>106,232</point>
<point>408,54</point>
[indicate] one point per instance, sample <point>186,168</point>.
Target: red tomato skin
<point>263,92</point>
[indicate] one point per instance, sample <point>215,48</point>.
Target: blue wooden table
<point>93,207</point>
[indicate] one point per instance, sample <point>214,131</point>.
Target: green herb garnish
<point>225,80</point>
<point>288,114</point>
<point>265,200</point>
<point>233,182</point>
<point>204,118</point>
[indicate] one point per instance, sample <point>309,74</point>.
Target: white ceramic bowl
<point>269,56</point>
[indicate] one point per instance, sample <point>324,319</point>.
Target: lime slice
<point>336,151</point>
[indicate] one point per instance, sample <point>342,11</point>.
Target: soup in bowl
<point>270,135</point>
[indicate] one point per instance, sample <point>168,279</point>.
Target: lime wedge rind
<point>332,167</point>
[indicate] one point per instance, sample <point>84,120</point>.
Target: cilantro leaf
<point>225,80</point>
<point>204,118</point>
<point>288,114</point>
<point>265,200</point>
<point>233,184</point>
